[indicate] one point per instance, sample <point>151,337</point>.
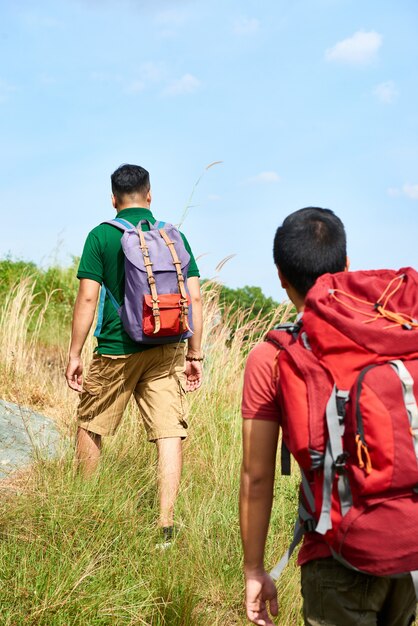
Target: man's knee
<point>88,445</point>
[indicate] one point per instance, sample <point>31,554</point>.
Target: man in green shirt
<point>157,375</point>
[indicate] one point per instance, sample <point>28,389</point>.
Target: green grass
<point>55,284</point>
<point>76,552</point>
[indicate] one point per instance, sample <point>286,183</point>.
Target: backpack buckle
<point>340,462</point>
<point>341,400</point>
<point>309,525</point>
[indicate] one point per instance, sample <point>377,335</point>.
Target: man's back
<point>103,261</point>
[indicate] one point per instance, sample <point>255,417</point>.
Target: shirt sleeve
<point>259,398</point>
<point>91,262</point>
<point>193,269</point>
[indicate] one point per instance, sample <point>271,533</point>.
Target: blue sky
<point>305,102</point>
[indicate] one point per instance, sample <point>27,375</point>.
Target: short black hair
<point>309,243</point>
<point>130,179</point>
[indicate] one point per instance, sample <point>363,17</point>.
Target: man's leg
<point>169,473</point>
<point>106,392</point>
<point>88,449</point>
<point>400,604</point>
<point>160,395</point>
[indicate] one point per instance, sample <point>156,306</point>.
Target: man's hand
<point>194,343</point>
<point>74,374</point>
<point>260,590</point>
<point>194,374</point>
<point>84,308</point>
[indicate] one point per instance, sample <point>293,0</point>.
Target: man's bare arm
<point>194,343</point>
<point>83,316</point>
<point>256,497</point>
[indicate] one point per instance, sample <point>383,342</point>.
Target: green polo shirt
<point>103,261</point>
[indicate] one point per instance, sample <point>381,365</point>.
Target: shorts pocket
<point>341,579</point>
<point>103,368</point>
<point>88,400</point>
<point>172,357</point>
<point>183,400</point>
<point>342,586</point>
<point>333,594</point>
<point>92,386</point>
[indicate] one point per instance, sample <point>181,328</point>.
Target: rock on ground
<point>24,436</point>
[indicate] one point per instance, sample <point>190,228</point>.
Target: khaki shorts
<point>155,377</point>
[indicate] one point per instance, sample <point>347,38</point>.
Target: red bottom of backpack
<point>368,540</point>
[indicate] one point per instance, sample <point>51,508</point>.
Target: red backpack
<point>348,390</point>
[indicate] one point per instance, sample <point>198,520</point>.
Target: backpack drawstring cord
<point>380,307</point>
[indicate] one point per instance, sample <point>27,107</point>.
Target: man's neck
<point>296,298</point>
<point>133,205</point>
<point>131,201</point>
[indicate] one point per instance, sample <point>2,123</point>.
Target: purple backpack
<point>156,308</point>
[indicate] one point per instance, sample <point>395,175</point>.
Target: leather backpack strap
<point>180,279</point>
<point>151,281</point>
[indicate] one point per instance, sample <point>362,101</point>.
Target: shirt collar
<point>139,212</point>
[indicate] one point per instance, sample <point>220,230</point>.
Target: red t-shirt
<point>260,401</point>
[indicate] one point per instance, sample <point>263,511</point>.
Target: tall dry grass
<point>80,553</point>
<point>31,371</point>
<point>16,316</point>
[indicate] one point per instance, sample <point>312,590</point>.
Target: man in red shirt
<point>311,242</point>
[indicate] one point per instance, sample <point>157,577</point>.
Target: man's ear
<point>114,202</point>
<point>347,265</point>
<point>283,281</point>
<point>149,197</point>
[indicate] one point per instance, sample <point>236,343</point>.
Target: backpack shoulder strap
<point>283,335</point>
<point>99,324</point>
<point>121,224</point>
<point>104,291</point>
<point>304,523</point>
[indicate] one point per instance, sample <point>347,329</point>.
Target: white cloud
<point>359,49</point>
<point>265,177</point>
<point>246,25</point>
<point>184,85</point>
<point>411,191</point>
<point>135,86</point>
<point>408,190</point>
<point>386,92</point>
<point>150,73</point>
<point>393,192</point>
